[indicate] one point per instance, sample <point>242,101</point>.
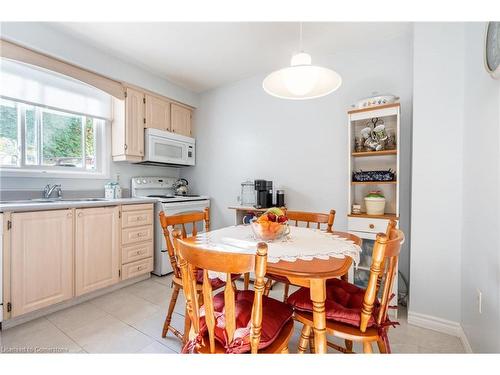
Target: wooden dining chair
<point>316,220</point>
<point>169,223</point>
<point>232,321</point>
<point>353,313</point>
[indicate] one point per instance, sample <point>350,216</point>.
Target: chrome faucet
<point>47,191</point>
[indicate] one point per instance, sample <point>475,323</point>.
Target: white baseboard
<point>448,327</point>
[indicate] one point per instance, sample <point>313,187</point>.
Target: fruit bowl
<point>271,225</point>
<point>269,231</point>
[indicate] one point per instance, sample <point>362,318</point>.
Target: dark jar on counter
<point>280,198</point>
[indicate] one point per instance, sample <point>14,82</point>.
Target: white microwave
<point>166,148</point>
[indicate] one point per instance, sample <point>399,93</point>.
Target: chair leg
<point>381,346</point>
<point>171,307</point>
<point>267,287</point>
<point>234,286</point>
<point>246,280</point>
<point>312,348</point>
<point>367,347</point>
<point>285,293</point>
<point>187,326</point>
<point>348,346</point>
<point>305,334</point>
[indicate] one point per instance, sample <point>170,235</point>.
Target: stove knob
<point>138,182</point>
<point>144,181</point>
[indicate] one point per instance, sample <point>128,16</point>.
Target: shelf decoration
<point>372,176</point>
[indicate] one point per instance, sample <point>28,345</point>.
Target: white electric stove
<point>161,188</point>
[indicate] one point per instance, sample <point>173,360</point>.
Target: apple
<point>271,217</point>
<point>282,219</point>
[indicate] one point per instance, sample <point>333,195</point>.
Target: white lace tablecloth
<point>301,243</point>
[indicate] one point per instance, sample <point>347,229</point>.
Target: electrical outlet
<point>479,301</point>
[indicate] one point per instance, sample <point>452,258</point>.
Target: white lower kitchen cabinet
<point>41,259</point>
<point>53,257</point>
<point>97,248</point>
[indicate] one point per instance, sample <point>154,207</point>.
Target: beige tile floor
<point>130,320</point>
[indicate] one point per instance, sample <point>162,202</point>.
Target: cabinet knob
<point>80,214</point>
<point>69,215</point>
<point>372,226</point>
<point>126,146</point>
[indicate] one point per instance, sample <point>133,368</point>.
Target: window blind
<point>35,85</point>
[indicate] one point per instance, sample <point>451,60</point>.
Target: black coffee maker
<point>263,193</point>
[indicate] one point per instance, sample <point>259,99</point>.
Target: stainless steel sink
<point>53,200</point>
<point>84,200</point>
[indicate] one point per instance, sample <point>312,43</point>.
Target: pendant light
<point>301,80</point>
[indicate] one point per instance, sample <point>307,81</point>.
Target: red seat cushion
<point>343,302</point>
<point>216,283</point>
<point>275,315</point>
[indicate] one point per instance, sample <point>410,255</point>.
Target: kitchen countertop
<point>18,206</point>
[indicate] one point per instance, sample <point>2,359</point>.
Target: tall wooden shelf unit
<point>363,225</point>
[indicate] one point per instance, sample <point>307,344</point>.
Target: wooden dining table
<point>312,274</point>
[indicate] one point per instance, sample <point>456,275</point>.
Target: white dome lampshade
<point>301,80</point>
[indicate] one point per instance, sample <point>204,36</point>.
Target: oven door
<point>162,261</point>
<point>168,151</point>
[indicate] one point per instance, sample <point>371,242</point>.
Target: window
<point>50,123</point>
<point>39,138</point>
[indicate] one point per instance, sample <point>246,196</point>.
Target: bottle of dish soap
<point>118,188</point>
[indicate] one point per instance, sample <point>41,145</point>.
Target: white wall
<point>41,37</point>
<point>481,202</point>
<point>243,133</point>
<point>436,219</point>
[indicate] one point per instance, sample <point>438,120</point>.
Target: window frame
<point>101,147</point>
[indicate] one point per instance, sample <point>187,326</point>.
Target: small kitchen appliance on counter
<point>263,193</point>
<point>164,190</point>
<point>280,198</point>
<point>247,197</point>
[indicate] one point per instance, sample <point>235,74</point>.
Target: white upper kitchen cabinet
<point>181,120</point>
<point>157,113</point>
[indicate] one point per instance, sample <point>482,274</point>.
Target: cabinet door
<point>41,259</point>
<point>97,250</point>
<point>180,120</point>
<point>134,123</point>
<point>157,113</point>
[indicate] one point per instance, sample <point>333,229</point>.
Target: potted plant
<point>375,203</point>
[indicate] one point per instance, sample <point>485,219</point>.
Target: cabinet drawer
<point>137,234</point>
<point>139,251</point>
<point>137,268</point>
<point>362,224</point>
<point>135,207</point>
<point>136,218</point>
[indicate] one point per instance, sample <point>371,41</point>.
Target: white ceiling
<point>202,55</point>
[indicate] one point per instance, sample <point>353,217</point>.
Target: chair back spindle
<point>312,218</point>
<point>169,223</point>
